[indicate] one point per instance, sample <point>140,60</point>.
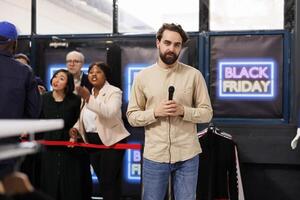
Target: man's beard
<point>168,58</point>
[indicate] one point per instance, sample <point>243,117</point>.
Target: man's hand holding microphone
<point>169,107</point>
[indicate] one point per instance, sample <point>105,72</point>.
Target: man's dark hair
<point>172,27</point>
<point>70,82</point>
<point>22,56</point>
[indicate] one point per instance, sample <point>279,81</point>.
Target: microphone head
<point>171,92</point>
<point>171,89</point>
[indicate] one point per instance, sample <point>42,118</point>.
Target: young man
<point>169,98</point>
<point>75,61</point>
<point>19,93</point>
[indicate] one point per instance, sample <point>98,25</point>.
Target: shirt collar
<point>168,69</point>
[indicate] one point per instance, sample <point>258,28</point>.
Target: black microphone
<point>171,92</point>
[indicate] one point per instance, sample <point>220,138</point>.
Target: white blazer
<point>109,123</point>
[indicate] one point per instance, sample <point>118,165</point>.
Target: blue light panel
<point>133,168</point>
<point>131,71</point>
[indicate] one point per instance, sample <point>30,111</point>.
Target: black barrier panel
<point>24,46</point>
<point>248,75</point>
<point>51,51</point>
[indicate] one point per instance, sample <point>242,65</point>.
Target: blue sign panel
<point>133,167</point>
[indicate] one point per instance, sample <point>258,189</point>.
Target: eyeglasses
<point>74,61</point>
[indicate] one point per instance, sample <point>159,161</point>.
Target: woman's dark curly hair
<point>104,67</point>
<point>70,81</point>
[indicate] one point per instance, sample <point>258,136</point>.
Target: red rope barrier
<point>97,146</point>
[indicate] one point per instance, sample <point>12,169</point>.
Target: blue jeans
<point>156,178</point>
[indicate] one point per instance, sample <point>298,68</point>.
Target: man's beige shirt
<point>169,139</point>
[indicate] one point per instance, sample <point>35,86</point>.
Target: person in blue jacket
<point>20,97</point>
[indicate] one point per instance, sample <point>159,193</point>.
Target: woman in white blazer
<point>100,122</point>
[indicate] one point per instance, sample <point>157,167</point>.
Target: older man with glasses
<point>75,61</point>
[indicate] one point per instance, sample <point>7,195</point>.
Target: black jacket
<point>217,177</point>
<point>19,93</point>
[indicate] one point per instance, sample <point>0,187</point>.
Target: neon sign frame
<point>132,69</point>
<point>129,161</point>
<point>270,63</point>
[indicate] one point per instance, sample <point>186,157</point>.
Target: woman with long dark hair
<point>65,172</point>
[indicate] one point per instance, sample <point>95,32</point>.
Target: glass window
<point>74,17</point>
<point>136,16</point>
<point>18,13</point>
<point>227,15</point>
